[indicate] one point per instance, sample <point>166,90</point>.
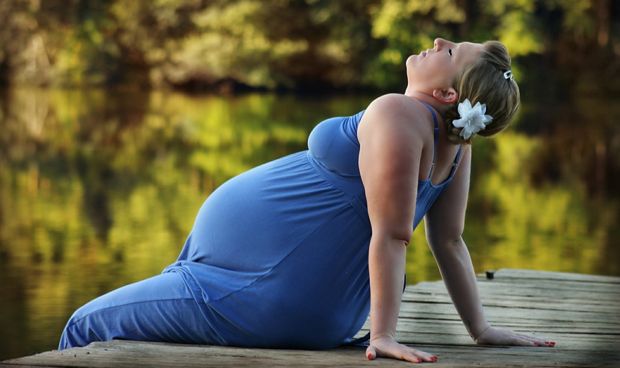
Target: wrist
<point>482,332</point>
<point>382,336</point>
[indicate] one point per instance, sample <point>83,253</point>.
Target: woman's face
<point>437,68</point>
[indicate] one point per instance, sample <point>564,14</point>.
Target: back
<point>334,144</point>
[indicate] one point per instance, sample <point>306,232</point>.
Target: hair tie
<point>508,74</point>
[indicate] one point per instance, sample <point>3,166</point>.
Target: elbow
<point>445,246</point>
<point>400,236</point>
<point>445,238</point>
<point>440,231</point>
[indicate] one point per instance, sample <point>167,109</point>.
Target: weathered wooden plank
<point>550,275</point>
<point>520,321</point>
<point>499,287</point>
<point>418,325</point>
<point>590,299</point>
<point>519,301</point>
<point>11,365</point>
<point>578,311</point>
<point>523,285</point>
<point>444,310</point>
<point>447,310</point>
<point>139,354</point>
<point>550,287</point>
<point>510,301</point>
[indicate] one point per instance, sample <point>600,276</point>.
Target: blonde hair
<point>484,82</point>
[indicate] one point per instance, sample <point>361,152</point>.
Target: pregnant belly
<point>255,219</point>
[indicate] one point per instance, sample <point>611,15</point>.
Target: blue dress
<point>277,257</point>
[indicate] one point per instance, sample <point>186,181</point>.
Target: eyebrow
<point>458,55</point>
<point>458,45</point>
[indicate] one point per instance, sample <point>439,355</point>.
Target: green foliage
<point>407,26</point>
<point>578,17</point>
<point>518,31</point>
<point>272,44</point>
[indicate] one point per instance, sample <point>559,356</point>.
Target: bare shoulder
<point>394,112</point>
<point>392,106</point>
<point>390,101</point>
<point>390,155</point>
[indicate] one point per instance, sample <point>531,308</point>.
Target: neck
<point>428,98</point>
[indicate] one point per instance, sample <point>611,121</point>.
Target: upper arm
<point>446,218</point>
<point>390,150</point>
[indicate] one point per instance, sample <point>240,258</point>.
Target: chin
<point>411,67</point>
<point>410,59</point>
<point>409,64</point>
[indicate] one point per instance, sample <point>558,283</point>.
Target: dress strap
<point>435,136</point>
<point>456,161</point>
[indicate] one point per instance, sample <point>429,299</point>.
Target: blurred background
<point>119,117</point>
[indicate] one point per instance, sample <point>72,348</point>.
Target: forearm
<point>386,266</point>
<point>460,279</point>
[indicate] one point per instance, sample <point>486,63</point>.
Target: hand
<point>500,336</point>
<point>386,346</point>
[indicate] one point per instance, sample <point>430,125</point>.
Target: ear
<point>447,96</point>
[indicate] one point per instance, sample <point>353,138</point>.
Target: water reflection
<point>100,188</point>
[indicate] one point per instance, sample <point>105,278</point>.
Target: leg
<point>160,308</point>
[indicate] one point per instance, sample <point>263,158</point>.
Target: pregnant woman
<point>295,253</point>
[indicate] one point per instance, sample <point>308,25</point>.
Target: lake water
<point>99,189</point>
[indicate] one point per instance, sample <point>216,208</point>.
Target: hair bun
<point>454,133</point>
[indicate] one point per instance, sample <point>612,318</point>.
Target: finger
<point>371,353</point>
<point>524,336</point>
<point>405,353</point>
<point>427,357</point>
<point>538,341</point>
<point>546,343</point>
<point>521,341</point>
<point>410,357</point>
<point>532,340</point>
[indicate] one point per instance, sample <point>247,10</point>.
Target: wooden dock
<point>580,312</point>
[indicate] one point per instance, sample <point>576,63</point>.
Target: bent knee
<point>82,328</point>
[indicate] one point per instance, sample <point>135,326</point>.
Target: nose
<point>439,43</point>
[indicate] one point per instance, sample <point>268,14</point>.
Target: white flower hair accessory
<point>472,119</point>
